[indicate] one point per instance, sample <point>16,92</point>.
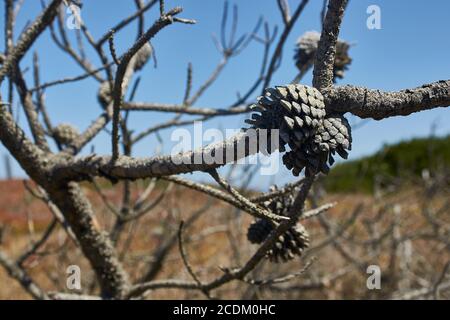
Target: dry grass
<point>218,238</point>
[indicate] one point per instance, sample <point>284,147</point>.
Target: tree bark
<point>96,245</point>
<point>376,104</point>
<point>72,204</point>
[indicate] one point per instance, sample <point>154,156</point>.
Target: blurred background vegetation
<point>394,163</point>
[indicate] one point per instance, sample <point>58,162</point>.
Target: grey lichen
<point>65,134</point>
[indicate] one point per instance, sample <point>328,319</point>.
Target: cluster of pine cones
<point>306,50</point>
<point>313,136</point>
<point>289,245</point>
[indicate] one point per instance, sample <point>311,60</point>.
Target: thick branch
<point>72,204</point>
<point>218,154</point>
<point>326,51</point>
<point>376,104</point>
<point>359,101</point>
<point>32,159</point>
<point>96,246</point>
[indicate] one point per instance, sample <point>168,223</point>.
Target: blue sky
<point>411,49</point>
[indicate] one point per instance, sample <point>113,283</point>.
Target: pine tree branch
<point>326,51</point>
<point>376,104</point>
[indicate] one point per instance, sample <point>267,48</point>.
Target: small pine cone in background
<point>298,111</point>
<point>65,134</point>
<point>306,50</point>
<point>143,56</point>
<point>291,244</point>
<point>342,59</point>
<point>280,205</point>
<point>259,230</point>
<point>104,94</point>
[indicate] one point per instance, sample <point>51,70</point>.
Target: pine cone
<point>317,153</point>
<point>306,50</point>
<point>143,56</point>
<point>259,230</point>
<point>65,134</point>
<point>280,205</point>
<point>299,113</point>
<point>292,243</point>
<point>342,59</point>
<point>104,94</point>
<point>289,245</point>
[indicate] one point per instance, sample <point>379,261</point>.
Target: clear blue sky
<point>411,49</point>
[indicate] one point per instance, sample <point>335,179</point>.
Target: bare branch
<point>251,207</point>
<point>326,51</point>
<point>136,106</point>
<point>283,279</point>
<point>30,111</point>
<point>162,22</point>
<point>132,168</point>
<point>279,48</point>
<point>66,80</point>
<point>283,5</point>
<point>127,21</point>
<point>19,274</point>
<point>376,104</point>
<point>184,255</point>
<point>38,244</point>
<point>28,38</point>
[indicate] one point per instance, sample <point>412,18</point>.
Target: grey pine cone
<point>259,230</point>
<point>313,136</point>
<point>317,153</point>
<point>104,94</point>
<point>280,205</point>
<point>291,244</point>
<point>306,50</point>
<point>65,134</point>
